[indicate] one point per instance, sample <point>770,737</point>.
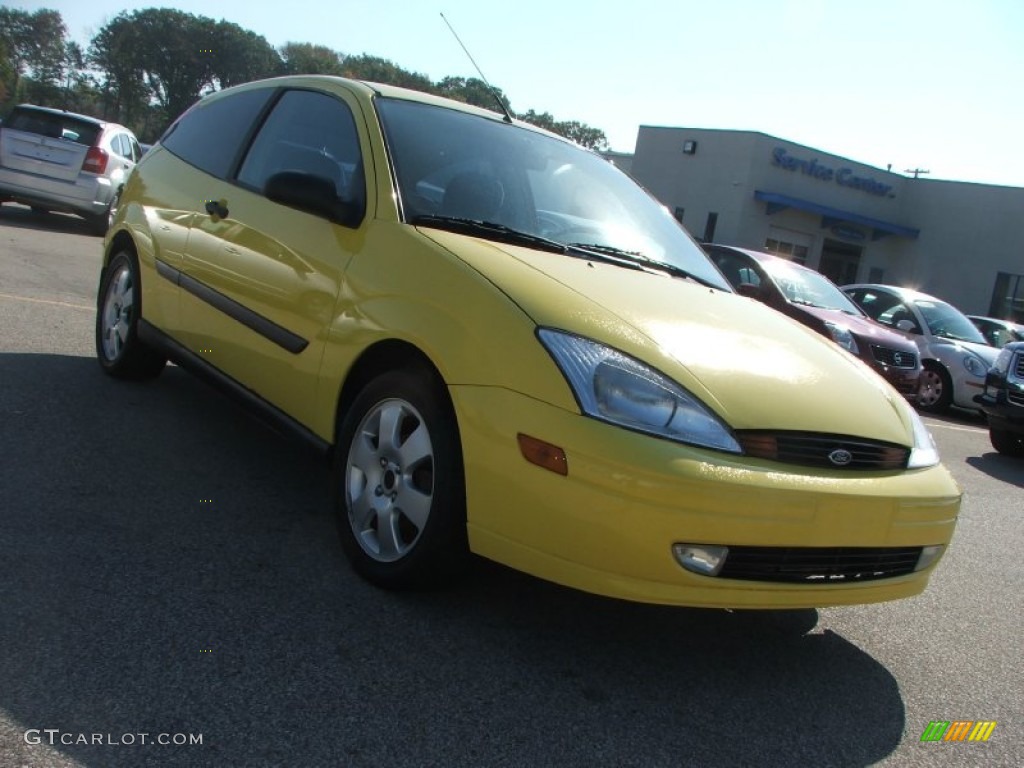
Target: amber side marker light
<point>543,454</point>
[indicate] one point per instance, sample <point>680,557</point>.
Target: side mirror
<point>313,194</point>
<point>908,326</point>
<point>750,290</point>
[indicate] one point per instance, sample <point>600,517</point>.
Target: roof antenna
<point>501,102</point>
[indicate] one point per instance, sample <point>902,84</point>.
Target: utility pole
<point>915,171</point>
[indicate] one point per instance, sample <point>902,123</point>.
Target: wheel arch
<point>383,356</point>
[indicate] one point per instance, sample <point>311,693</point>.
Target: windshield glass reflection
<point>454,164</point>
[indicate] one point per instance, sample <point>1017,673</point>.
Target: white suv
<point>53,160</point>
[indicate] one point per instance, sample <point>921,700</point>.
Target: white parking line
<point>46,301</point>
<point>943,425</point>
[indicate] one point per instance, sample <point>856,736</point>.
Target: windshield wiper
<point>641,261</point>
<point>494,231</point>
<point>488,229</point>
<point>606,254</point>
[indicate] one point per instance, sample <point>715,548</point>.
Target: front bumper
<point>904,381</point>
<point>608,526</point>
<point>1003,412</point>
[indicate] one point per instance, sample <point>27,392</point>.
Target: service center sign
<point>843,177</point>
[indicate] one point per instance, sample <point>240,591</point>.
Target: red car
<point>814,300</point>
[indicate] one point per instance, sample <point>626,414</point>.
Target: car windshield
<point>947,321</point>
<point>805,286</point>
<point>463,167</point>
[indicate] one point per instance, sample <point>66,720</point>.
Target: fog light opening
<point>543,454</point>
<point>704,559</point>
<point>928,556</point>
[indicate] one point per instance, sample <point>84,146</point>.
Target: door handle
<point>217,209</point>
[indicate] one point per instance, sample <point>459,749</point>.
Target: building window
<point>1008,297</point>
<point>786,250</point>
<point>709,228</point>
<point>678,213</point>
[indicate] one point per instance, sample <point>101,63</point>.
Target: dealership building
<point>960,241</point>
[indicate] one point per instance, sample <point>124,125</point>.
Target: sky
<point>930,84</point>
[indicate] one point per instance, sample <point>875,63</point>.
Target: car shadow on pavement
<point>24,218</point>
<point>1009,469</point>
<point>172,567</point>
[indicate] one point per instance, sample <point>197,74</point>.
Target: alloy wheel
<point>117,313</point>
<point>389,480</point>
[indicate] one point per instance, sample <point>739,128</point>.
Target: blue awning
<point>776,202</point>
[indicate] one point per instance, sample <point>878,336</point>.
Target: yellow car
<point>506,347</point>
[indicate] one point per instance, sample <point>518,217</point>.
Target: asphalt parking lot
<point>169,567</point>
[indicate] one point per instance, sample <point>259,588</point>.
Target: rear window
<point>54,126</point>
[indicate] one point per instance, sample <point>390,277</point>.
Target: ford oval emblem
<point>897,358</point>
<point>840,457</point>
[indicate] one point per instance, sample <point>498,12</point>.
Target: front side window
<point>309,132</point>
<point>457,165</point>
<point>210,134</point>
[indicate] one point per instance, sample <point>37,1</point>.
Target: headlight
<point>842,337</point>
<point>974,365</point>
<point>1002,363</point>
<point>619,389</point>
<point>924,453</point>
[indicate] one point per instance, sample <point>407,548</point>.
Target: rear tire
<point>935,389</point>
<point>1006,442</point>
<point>118,309</point>
<point>398,483</point>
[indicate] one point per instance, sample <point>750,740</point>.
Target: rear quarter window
<point>54,126</point>
<point>210,134</point>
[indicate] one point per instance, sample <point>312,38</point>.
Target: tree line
<point>145,67</point>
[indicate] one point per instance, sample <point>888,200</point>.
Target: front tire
<point>1006,442</point>
<point>935,389</point>
<point>118,308</point>
<point>398,483</point>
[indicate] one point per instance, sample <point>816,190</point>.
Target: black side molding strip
<point>257,322</point>
<point>193,363</point>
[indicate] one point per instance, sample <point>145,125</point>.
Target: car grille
<point>1019,369</point>
<point>816,565</point>
<point>1017,398</point>
<point>818,450</point>
<point>896,358</point>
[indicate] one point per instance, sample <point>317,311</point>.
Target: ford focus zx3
<point>506,347</point>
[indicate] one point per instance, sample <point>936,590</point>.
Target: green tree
<point>471,90</point>
<point>7,74</point>
<point>309,59</point>
<point>172,50</point>
<point>241,56</point>
<point>583,134</point>
<point>115,52</point>
<point>378,70</point>
<point>35,45</point>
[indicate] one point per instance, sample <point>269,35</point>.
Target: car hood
<point>984,351</point>
<point>757,368</point>
<point>861,327</point>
